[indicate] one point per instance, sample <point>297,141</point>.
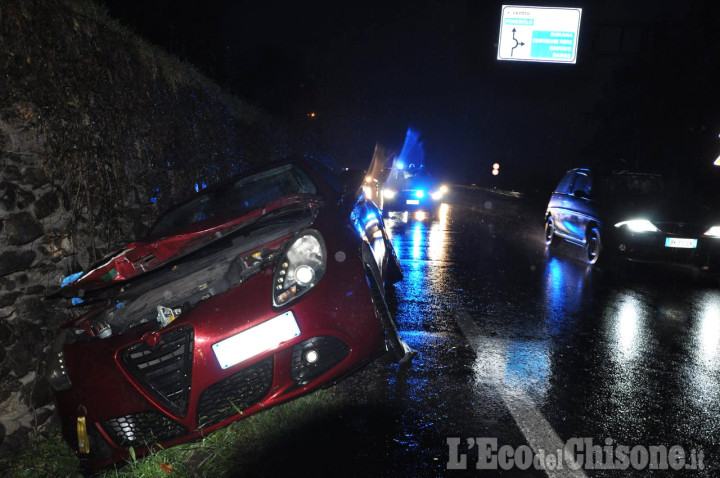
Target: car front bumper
<point>136,390</point>
<point>654,248</point>
<point>408,201</point>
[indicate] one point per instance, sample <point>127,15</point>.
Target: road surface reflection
<point>635,360</point>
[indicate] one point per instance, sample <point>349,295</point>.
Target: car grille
<point>142,429</point>
<point>329,351</point>
<point>165,369</point>
<point>236,393</point>
<point>680,255</point>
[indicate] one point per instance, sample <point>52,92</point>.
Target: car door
<point>580,212</point>
<point>559,202</point>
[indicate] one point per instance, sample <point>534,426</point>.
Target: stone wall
<point>36,250</point>
<point>98,132</point>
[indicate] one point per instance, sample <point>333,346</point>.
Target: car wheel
<point>550,238</point>
<point>593,245</point>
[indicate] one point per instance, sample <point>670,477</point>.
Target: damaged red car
<point>248,295</point>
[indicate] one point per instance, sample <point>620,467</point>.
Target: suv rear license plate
<point>681,243</point>
<point>256,340</point>
<point>412,201</point>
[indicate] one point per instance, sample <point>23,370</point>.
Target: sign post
<point>540,34</point>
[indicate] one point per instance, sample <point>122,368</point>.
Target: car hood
<point>146,255</point>
<point>662,208</point>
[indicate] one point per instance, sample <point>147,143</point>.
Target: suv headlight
<point>638,225</point>
<point>302,266</point>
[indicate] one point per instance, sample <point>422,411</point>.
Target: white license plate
<point>412,201</point>
<point>681,243</point>
<point>256,340</point>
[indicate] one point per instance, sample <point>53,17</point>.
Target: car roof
<point>606,171</point>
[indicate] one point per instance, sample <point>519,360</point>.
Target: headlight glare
<point>437,195</point>
<point>304,275</point>
<point>389,193</point>
<point>638,225</point>
<point>301,268</point>
<point>713,231</point>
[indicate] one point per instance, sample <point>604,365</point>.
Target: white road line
<point>539,434</point>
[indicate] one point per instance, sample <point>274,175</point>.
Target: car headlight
<point>713,231</point>
<point>436,195</point>
<point>444,189</point>
<point>302,266</point>
<point>638,225</point>
<point>389,193</point>
<point>56,371</point>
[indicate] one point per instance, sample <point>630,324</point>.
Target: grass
<point>217,454</point>
<point>44,457</point>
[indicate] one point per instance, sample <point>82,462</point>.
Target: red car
<point>248,295</point>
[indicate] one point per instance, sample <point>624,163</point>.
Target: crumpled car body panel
<point>137,383</point>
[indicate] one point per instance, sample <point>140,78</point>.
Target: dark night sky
<point>643,88</point>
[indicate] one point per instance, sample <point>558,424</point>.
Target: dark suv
<point>636,216</point>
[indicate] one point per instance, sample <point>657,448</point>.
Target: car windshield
<point>632,185</point>
<point>242,195</point>
<point>420,177</point>
<point>408,179</point>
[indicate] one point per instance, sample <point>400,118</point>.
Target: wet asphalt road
<point>525,347</point>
